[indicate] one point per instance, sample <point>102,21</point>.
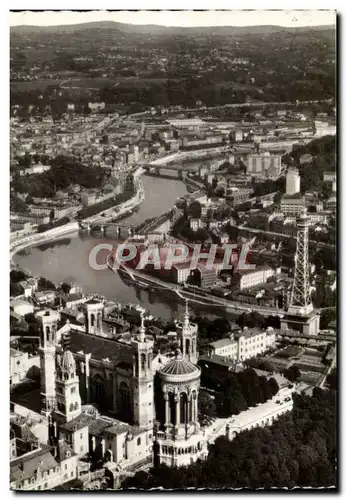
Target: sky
<point>287,18</point>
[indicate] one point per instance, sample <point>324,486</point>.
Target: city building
<point>21,307</point>
<point>180,272</point>
<point>263,165</point>
<point>37,467</point>
<point>292,181</point>
<point>243,345</point>
<point>236,135</point>
<point>292,205</point>
<point>20,364</point>
<point>244,279</point>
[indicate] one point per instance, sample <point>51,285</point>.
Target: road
<point>282,235</point>
<point>208,300</point>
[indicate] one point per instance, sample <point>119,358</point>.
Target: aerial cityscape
<point>173,265</point>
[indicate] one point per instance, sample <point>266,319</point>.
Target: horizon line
<point>331,25</point>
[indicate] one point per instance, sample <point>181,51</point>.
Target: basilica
<point>109,398</point>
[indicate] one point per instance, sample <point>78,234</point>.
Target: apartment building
<point>252,277</point>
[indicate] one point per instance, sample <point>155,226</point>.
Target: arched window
<point>143,362</point>
<point>172,419</point>
<point>183,408</point>
<point>135,366</point>
<point>76,406</point>
<point>150,360</point>
<point>98,390</point>
<point>124,400</point>
<point>138,441</point>
<point>92,320</point>
<point>71,407</point>
<point>99,320</point>
<point>193,417</point>
<point>187,344</point>
<point>48,334</point>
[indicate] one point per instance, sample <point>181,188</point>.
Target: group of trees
<point>65,172</point>
<point>237,391</point>
<point>297,450</point>
<point>323,151</point>
<point>243,390</point>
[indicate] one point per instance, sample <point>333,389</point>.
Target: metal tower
<point>300,302</point>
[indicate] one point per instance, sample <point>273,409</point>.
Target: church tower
<point>93,314</point>
<point>189,338</point>
<point>143,379</point>
<point>47,350</point>
<point>68,401</point>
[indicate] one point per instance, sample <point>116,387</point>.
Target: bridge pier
<point>102,229</point>
<point>181,174</point>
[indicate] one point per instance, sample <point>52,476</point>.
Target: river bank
<point>56,233</point>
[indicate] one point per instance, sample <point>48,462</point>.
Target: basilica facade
<point>119,376</point>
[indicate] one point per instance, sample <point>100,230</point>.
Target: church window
<point>81,435</point>
<point>46,485</point>
<point>138,441</point>
<point>92,320</point>
<point>73,390</point>
<point>71,407</point>
<point>65,466</point>
<point>187,346</point>
<point>81,448</point>
<point>142,362</point>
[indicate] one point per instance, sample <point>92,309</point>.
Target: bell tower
<point>68,401</point>
<point>143,379</point>
<point>189,338</point>
<point>93,313</point>
<point>48,343</point>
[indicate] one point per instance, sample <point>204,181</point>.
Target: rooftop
<point>79,422</point>
<point>179,366</point>
<point>26,466</point>
<point>100,347</point>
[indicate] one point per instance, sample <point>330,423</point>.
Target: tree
<point>44,284</point>
<point>292,373</point>
<point>66,288</point>
<point>206,405</point>
<point>194,210</point>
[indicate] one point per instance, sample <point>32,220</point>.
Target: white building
<point>264,165</point>
<point>41,467</point>
<point>244,345</point>
<point>292,181</point>
<point>21,307</point>
<point>253,277</point>
<point>292,205</point>
<point>20,364</point>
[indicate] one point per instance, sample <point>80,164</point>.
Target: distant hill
<point>163,30</point>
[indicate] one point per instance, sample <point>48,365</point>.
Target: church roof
<point>99,347</point>
<point>179,366</point>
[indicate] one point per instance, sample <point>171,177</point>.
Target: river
<point>68,258</point>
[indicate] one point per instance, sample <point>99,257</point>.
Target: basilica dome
<point>179,368</point>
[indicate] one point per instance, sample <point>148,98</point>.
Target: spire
<point>142,329</point>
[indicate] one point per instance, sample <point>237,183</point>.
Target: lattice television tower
<point>300,302</point>
<point>301,316</point>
